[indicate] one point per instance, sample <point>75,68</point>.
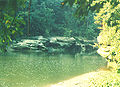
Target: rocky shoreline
<point>70,45</point>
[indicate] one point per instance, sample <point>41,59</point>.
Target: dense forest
<point>48,18</point>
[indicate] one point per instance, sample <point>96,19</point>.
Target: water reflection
<point>38,70</point>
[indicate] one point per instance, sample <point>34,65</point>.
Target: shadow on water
<point>38,70</point>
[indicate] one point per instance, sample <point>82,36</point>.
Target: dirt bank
<point>85,79</point>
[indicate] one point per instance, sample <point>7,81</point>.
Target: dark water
<point>37,70</point>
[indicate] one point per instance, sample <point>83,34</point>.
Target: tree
<point>48,18</point>
<point>42,19</point>
<point>108,19</point>
<point>108,39</point>
<point>30,2</point>
<point>10,21</point>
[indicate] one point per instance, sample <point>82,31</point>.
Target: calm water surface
<point>39,70</point>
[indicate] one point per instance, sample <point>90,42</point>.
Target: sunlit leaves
<point>109,18</point>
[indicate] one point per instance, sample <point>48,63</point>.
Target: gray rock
<point>54,45</point>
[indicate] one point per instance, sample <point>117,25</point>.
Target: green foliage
<point>42,19</point>
<point>10,22</point>
<point>108,18</point>
<point>49,19</point>
<point>79,27</point>
<point>83,6</point>
<point>10,27</point>
<point>11,6</point>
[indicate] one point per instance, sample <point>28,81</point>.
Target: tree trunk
<point>28,31</point>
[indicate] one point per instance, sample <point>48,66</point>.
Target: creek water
<point>39,70</point>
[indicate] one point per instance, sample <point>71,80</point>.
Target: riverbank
<point>102,78</point>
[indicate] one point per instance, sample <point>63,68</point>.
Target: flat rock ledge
<point>54,45</point>
<point>82,80</point>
